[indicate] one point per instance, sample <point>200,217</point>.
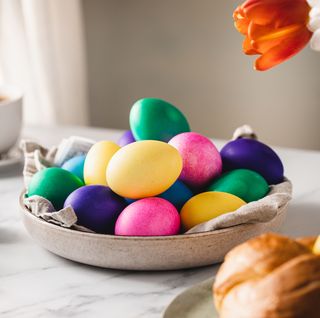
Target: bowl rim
<point>34,218</point>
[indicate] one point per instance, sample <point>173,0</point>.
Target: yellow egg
<point>206,206</point>
<point>95,165</point>
<point>316,247</point>
<point>144,169</point>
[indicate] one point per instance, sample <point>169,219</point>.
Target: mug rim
<point>15,94</point>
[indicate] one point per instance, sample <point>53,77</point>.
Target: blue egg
<point>129,201</point>
<point>75,165</point>
<point>178,194</point>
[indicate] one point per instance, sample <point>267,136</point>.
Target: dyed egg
<point>75,165</point>
<point>253,155</point>
<point>316,247</point>
<point>126,139</point>
<point>245,184</point>
<point>148,217</point>
<point>143,169</point>
<point>156,119</point>
<point>206,206</point>
<point>97,207</point>
<point>54,184</point>
<point>97,160</point>
<point>178,194</point>
<point>201,159</point>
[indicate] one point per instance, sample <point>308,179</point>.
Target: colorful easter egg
<point>148,217</point>
<point>178,194</point>
<point>54,184</point>
<point>206,206</point>
<point>156,119</point>
<point>97,160</point>
<point>75,165</point>
<point>245,184</point>
<point>253,155</point>
<point>97,207</point>
<point>201,159</point>
<point>126,139</point>
<point>143,169</point>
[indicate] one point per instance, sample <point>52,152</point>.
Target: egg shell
<point>148,217</point>
<point>245,184</point>
<point>253,155</point>
<point>206,206</point>
<point>156,119</point>
<point>75,165</point>
<point>97,207</point>
<point>178,194</point>
<point>54,184</point>
<point>126,139</point>
<point>97,161</point>
<point>201,159</point>
<point>143,169</point>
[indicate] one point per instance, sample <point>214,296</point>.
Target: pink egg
<point>201,159</point>
<point>148,217</point>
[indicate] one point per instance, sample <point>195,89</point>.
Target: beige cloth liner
<point>38,158</point>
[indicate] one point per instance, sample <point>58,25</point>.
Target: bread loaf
<point>271,276</point>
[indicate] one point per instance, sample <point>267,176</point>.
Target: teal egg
<point>156,119</point>
<point>243,183</point>
<point>75,165</point>
<point>178,194</point>
<point>54,184</point>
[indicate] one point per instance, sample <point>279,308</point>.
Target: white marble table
<point>35,283</point>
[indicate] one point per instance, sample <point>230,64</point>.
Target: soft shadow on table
<point>11,171</point>
<point>8,236</point>
<point>153,276</point>
<point>303,219</point>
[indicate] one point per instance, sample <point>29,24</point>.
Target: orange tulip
<point>274,29</point>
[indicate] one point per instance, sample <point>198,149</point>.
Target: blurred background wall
<point>189,53</point>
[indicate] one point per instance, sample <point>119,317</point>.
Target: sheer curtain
<point>42,51</point>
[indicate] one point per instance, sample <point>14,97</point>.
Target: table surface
<point>35,283</point>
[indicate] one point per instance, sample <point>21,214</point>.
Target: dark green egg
<point>54,184</point>
<point>245,184</point>
<point>156,119</point>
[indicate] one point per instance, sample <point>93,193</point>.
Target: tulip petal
<point>285,50</point>
<point>276,12</point>
<point>240,21</point>
<point>247,47</point>
<point>265,37</point>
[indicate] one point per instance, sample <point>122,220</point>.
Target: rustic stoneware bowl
<point>143,253</point>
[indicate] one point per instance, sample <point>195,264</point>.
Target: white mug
<point>10,117</point>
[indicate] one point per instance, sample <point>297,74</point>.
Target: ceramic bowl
<point>143,253</point>
<point>10,117</point>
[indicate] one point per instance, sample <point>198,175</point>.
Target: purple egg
<point>126,139</point>
<point>97,207</point>
<point>253,155</point>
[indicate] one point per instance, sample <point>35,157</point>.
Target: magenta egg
<point>148,217</point>
<point>201,159</point>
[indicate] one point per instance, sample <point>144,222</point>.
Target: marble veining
<point>35,283</point>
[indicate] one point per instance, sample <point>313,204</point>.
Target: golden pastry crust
<point>270,276</point>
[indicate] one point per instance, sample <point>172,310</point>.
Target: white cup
<point>10,117</point>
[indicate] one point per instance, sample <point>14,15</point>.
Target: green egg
<point>156,119</point>
<point>54,184</point>
<point>245,184</point>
